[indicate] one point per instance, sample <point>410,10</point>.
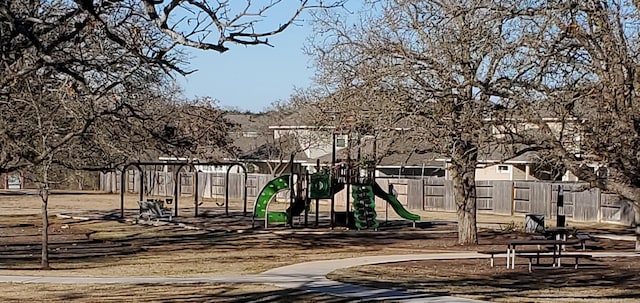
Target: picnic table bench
<point>554,256</point>
<point>493,253</point>
<point>582,238</point>
<point>557,247</point>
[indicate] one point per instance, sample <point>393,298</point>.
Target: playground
<point>88,239</point>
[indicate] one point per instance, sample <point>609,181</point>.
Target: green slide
<point>267,194</point>
<point>395,204</point>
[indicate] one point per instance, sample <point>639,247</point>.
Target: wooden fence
<point>534,197</point>
<point>436,194</point>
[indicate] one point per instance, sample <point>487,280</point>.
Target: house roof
<point>274,151</point>
<point>251,131</point>
<point>255,140</point>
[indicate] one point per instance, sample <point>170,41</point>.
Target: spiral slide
<point>266,195</point>
<point>395,204</point>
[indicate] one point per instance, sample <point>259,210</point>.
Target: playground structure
<point>356,176</point>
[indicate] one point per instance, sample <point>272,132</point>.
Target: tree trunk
<point>44,194</point>
<point>463,165</point>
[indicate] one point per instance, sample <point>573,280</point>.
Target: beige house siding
<point>520,174</point>
<point>315,144</point>
<point>491,172</point>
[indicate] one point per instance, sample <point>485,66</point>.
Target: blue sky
<point>252,77</point>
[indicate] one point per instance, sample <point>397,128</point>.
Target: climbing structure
<point>364,207</point>
<point>266,195</point>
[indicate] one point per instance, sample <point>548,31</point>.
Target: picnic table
<point>557,245</point>
<point>560,233</point>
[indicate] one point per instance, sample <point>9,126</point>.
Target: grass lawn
<point>218,245</point>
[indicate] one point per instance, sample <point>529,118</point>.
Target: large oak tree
<point>582,92</point>
<point>433,67</point>
<point>86,84</point>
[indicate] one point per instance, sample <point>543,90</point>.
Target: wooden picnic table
<point>557,249</point>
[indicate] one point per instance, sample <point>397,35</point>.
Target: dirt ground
<point>597,280</point>
<point>91,240</point>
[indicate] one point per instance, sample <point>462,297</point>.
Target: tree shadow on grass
<point>181,292</point>
<point>113,239</point>
<point>123,240</point>
<point>599,279</point>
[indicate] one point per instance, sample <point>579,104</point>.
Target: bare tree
<point>83,83</point>
<point>436,67</point>
<point>48,132</point>
<point>582,95</point>
<point>73,98</point>
<point>283,132</point>
<point>208,25</point>
<point>212,25</point>
<point>94,46</point>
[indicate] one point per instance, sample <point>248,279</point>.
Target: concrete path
<point>310,276</point>
<point>616,237</point>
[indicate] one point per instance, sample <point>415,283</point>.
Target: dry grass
<point>13,292</point>
<point>218,248</point>
<point>598,280</point>
<point>176,252</point>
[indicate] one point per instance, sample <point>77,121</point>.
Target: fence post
<point>599,205</point>
<point>513,197</point>
<point>424,195</point>
<point>560,218</point>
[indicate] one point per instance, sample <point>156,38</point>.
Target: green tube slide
<point>265,197</point>
<point>395,204</point>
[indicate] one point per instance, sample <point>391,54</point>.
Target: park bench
<point>531,256</point>
<point>154,209</point>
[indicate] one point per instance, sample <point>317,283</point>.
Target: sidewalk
<point>615,237</point>
<point>310,276</point>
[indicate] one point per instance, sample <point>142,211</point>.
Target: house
<point>515,169</point>
<point>311,145</point>
<point>266,142</point>
<point>12,181</point>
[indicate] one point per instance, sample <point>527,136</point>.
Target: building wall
<point>11,181</point>
<point>569,130</point>
<point>520,173</point>
<point>512,173</point>
<point>492,173</point>
<point>314,143</point>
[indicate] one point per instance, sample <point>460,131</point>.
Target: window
<point>341,142</point>
<point>504,169</point>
